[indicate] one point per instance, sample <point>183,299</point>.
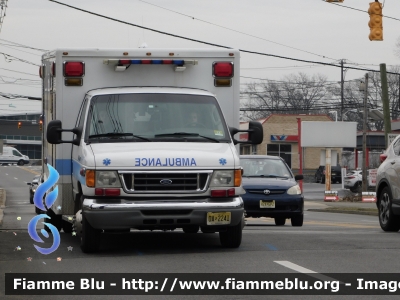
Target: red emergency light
<point>74,69</point>
<point>223,69</point>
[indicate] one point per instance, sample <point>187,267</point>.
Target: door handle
<point>393,162</point>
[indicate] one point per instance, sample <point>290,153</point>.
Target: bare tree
<point>294,94</point>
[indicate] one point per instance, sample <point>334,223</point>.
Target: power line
<point>212,44</point>
<point>237,31</point>
<point>24,46</point>
<point>10,58</point>
<point>344,6</point>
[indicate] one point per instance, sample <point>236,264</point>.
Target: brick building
<point>281,139</point>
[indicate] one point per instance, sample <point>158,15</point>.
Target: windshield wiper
<point>268,176</point>
<point>184,134</point>
<point>117,134</point>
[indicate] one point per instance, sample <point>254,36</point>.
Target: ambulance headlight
<point>106,179</point>
<point>222,178</point>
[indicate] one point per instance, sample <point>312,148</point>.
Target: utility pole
<point>342,89</point>
<point>385,102</point>
<point>364,146</point>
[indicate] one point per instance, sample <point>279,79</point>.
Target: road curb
<point>353,212</point>
<point>2,204</point>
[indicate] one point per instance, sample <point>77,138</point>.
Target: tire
<point>297,221</point>
<point>232,237</point>
<point>315,179</point>
<point>31,198</point>
<point>280,221</point>
<point>322,180</point>
<point>38,211</point>
<point>387,220</point>
<point>191,229</point>
<point>66,226</point>
<point>356,188</point>
<point>55,220</point>
<point>20,163</point>
<point>90,238</point>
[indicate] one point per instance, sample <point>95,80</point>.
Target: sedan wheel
<point>297,220</point>
<point>387,220</point>
<point>280,221</point>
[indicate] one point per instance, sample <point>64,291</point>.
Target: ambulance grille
<point>156,182</point>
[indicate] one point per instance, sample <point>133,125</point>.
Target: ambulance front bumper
<point>146,214</point>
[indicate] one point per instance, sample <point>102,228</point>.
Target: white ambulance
<point>144,139</point>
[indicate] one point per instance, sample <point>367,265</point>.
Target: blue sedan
<point>271,189</point>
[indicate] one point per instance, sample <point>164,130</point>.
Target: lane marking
<point>303,270</point>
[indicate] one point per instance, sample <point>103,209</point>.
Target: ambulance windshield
<point>155,117</point>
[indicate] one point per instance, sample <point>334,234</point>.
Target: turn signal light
<point>90,178</point>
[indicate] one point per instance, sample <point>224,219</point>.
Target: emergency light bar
<point>126,62</point>
<point>123,64</point>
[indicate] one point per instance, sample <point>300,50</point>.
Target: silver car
<point>388,187</point>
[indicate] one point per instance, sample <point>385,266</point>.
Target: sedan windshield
<point>155,118</point>
<point>265,168</point>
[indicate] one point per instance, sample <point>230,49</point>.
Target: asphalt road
<point>326,243</point>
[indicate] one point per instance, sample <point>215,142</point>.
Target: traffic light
<point>40,125</point>
<point>19,125</point>
<point>375,21</point>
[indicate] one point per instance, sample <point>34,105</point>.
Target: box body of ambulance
<point>144,139</point>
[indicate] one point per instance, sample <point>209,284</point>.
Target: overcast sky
<point>310,30</point>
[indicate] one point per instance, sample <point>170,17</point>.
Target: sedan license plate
<point>218,218</point>
<point>267,204</point>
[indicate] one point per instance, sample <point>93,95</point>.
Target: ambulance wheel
<point>90,238</point>
<point>232,237</point>
<point>66,226</point>
<point>55,220</point>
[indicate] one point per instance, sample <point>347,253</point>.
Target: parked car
<point>336,174</point>
<point>271,189</point>
<point>388,187</point>
<point>353,181</point>
<point>33,186</point>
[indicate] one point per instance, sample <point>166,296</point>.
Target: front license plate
<point>267,204</point>
<point>218,218</point>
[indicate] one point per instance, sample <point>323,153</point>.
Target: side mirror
<point>29,183</point>
<point>298,177</point>
<point>255,133</point>
<point>54,130</point>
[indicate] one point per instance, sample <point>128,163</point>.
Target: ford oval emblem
<point>267,192</point>
<point>165,181</point>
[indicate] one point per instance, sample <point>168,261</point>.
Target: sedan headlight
<point>107,179</point>
<point>294,190</point>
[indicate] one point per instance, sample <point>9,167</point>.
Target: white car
<point>353,181</point>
